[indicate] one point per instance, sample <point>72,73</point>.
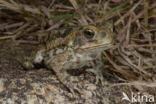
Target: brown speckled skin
<point>75,51</point>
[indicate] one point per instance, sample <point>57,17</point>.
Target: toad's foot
<point>97,70</point>
<point>27,65</point>
<point>98,74</point>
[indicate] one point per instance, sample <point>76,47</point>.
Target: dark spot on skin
<point>79,41</point>
<point>77,72</point>
<point>39,65</point>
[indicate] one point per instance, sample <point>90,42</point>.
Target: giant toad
<point>78,49</point>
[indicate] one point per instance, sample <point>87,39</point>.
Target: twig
<point>138,83</point>
<point>6,37</point>
<point>141,45</point>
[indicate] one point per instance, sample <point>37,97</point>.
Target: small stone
<point>87,94</point>
<point>22,81</point>
<point>91,87</point>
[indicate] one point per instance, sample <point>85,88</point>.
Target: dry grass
<point>132,21</point>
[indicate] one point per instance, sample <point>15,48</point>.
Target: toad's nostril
<point>89,34</point>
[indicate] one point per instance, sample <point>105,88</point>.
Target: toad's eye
<point>89,34</point>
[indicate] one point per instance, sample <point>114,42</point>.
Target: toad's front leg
<point>57,63</point>
<point>97,69</point>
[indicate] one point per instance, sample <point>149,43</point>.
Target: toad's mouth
<point>95,47</point>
